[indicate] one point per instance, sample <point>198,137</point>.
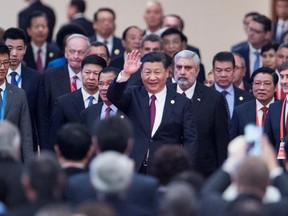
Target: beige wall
<point>211,25</point>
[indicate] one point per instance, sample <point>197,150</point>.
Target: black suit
<point>37,6</point>
<point>117,62</point>
<point>212,127</point>
<point>52,53</point>
<point>85,24</point>
<point>178,124</point>
<point>117,49</point>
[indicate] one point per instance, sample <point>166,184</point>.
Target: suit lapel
<point>197,97</point>
<point>78,102</point>
<point>144,106</point>
<point>25,78</point>
<point>9,97</point>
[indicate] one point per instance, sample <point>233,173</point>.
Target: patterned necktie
<point>13,78</point>
<point>91,98</point>
<point>107,112</point>
<point>152,111</point>
<point>226,103</point>
<point>264,110</point>
<point>74,83</point>
<point>39,63</point>
<point>257,61</point>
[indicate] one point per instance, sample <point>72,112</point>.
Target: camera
<point>253,136</point>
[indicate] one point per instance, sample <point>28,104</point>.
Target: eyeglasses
<point>102,84</point>
<point>258,84</point>
<point>79,52</point>
<point>6,64</point>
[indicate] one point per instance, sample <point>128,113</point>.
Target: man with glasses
<point>264,82</point>
<point>14,106</point>
<point>259,32</point>
<point>61,80</point>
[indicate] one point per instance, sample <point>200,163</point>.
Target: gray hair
<point>78,36</point>
<point>187,54</point>
<point>9,140</point>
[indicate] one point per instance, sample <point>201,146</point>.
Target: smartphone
<point>253,136</point>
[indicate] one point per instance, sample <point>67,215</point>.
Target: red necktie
<point>107,112</point>
<point>74,84</point>
<point>264,110</point>
<point>152,111</point>
<point>183,93</point>
<point>39,63</point>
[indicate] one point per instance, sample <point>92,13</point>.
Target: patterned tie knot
<point>107,112</point>
<point>264,109</point>
<point>75,78</point>
<point>224,92</point>
<point>91,98</point>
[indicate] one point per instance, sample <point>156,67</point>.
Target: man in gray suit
<point>14,105</point>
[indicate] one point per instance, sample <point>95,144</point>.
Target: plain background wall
<point>211,25</point>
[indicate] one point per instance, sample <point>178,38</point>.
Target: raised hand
<point>132,63</point>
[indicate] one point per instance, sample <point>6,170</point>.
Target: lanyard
<point>257,120</point>
<point>3,105</point>
<point>282,120</point>
<point>18,80</point>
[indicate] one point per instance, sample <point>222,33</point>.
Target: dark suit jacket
<point>212,127</point>
<point>272,123</point>
<point>247,86</point>
<point>85,24</point>
<point>117,49</point>
<point>243,49</point>
<point>117,62</point>
<point>67,108</point>
<point>178,125</point>
<point>37,6</point>
<point>17,112</point>
<point>53,52</point>
<point>212,202</point>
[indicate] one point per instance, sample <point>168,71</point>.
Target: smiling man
<point>159,115</point>
<point>264,82</point>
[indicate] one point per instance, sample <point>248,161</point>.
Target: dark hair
<point>93,59</point>
<point>104,9</point>
<point>114,70</point>
<point>113,134</point>
<point>265,21</point>
<point>152,38</point>
<point>36,14</point>
<point>67,30</point>
<point>177,17</point>
<point>224,56</point>
<point>170,31</point>
<point>79,4</point>
<point>155,57</point>
<point>4,49</point>
<point>15,34</point>
<point>74,141</point>
<point>283,66</point>
<point>252,13</point>
<point>269,46</point>
<point>124,34</point>
<point>265,70</point>
<point>100,44</point>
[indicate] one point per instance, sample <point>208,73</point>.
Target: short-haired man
<point>210,110</point>
<point>67,108</point>
<point>223,70</point>
<point>281,57</point>
<point>100,49</point>
<point>239,74</point>
<point>281,24</point>
<point>14,106</point>
<point>259,31</point>
<point>104,28</point>
<point>264,82</point>
<point>153,16</point>
<point>170,119</point>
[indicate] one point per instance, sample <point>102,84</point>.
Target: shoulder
<point>247,106</point>
<point>240,46</point>
<point>56,71</point>
<point>241,93</point>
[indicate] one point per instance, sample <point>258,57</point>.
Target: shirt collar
<point>230,89</point>
<point>252,49</point>
<point>260,105</point>
<point>18,70</point>
<point>72,73</point>
<point>86,94</point>
<point>35,47</point>
<point>3,86</point>
<point>160,95</point>
<point>114,108</point>
<point>101,39</point>
<point>189,92</point>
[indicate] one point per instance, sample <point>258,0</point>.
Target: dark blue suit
<point>85,24</point>
<point>117,49</point>
<point>178,125</point>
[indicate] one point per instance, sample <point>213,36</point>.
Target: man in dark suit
<point>104,27</point>
<point>61,80</point>
<point>23,76</point>
<point>76,10</point>
<point>14,106</point>
<point>37,5</point>
<point>264,82</point>
<point>114,134</point>
<point>209,110</point>
<point>67,108</point>
<point>39,52</point>
<point>170,120</point>
<point>223,70</point>
<point>258,34</point>
<point>280,26</point>
<point>103,109</point>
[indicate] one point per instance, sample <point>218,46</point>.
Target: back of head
<point>169,161</point>
<point>80,5</point>
<point>73,141</point>
<point>113,134</point>
<point>248,207</point>
<point>10,141</point>
<point>111,173</point>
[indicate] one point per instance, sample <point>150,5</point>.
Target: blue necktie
<point>90,101</point>
<point>257,61</point>
<point>226,103</point>
<point>13,78</point>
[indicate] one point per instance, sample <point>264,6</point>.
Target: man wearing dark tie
<point>264,82</point>
<point>159,115</point>
<point>67,108</point>
<point>22,76</point>
<point>103,109</point>
<point>210,112</point>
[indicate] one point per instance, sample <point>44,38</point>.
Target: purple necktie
<point>152,111</point>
